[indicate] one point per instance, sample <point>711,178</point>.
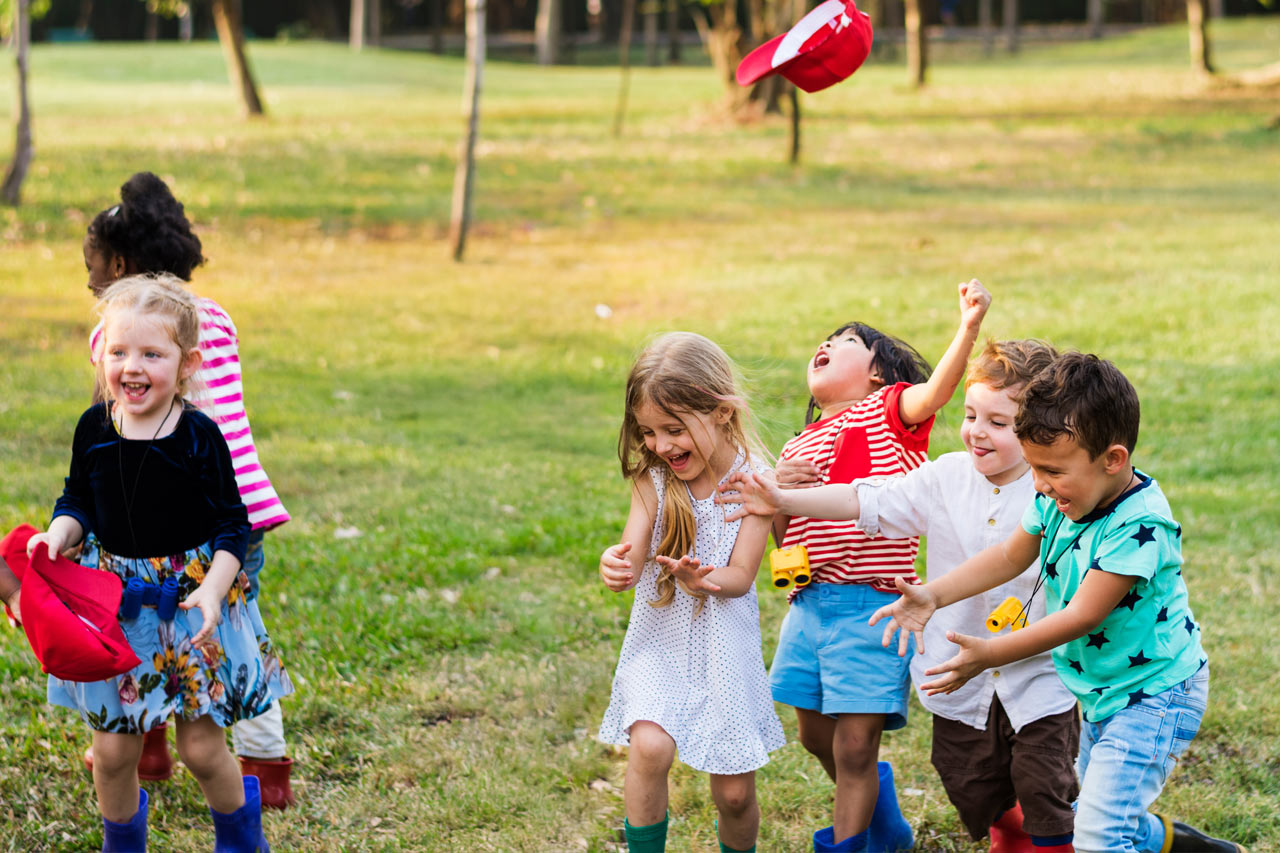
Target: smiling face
<point>987,433</point>
<point>840,373</point>
<point>690,443</point>
<point>1077,483</point>
<point>143,366</point>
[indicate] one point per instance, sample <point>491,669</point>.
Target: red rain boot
<point>273,776</point>
<point>1007,835</point>
<point>155,764</point>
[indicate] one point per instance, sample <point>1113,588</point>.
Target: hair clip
<point>113,211</point>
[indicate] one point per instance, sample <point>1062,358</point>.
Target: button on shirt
<point>962,512</point>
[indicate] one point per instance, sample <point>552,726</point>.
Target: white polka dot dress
<point>701,678</point>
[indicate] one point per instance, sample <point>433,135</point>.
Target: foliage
<point>37,9</point>
<point>454,658</point>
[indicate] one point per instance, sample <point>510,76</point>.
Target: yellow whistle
<point>789,566</point>
<point>1009,612</point>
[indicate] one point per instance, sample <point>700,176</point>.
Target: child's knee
<point>116,753</point>
<point>856,751</point>
<point>651,749</point>
<point>202,746</point>
<point>734,796</point>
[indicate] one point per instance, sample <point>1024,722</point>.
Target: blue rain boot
<point>128,837</point>
<point>241,831</point>
<point>889,831</point>
<point>824,841</point>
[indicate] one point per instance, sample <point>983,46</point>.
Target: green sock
<point>646,839</point>
<point>725,848</point>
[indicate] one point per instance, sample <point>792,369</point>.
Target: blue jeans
<point>1124,762</point>
<point>253,560</point>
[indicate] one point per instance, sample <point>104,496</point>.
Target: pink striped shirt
<point>867,439</point>
<point>220,395</point>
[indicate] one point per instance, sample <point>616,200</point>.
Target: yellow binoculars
<point>1008,613</point>
<point>789,566</point>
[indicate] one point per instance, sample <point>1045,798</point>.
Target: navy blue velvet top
<point>185,495</point>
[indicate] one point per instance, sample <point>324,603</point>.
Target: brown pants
<point>984,772</point>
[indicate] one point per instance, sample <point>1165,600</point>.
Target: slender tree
<point>624,64</point>
<point>917,45</point>
<point>548,30</point>
<point>226,18</point>
<point>464,175</point>
<point>1198,31</point>
<point>24,147</point>
<point>359,17</point>
<point>1011,25</point>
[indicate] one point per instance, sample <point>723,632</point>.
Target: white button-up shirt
<point>962,512</point>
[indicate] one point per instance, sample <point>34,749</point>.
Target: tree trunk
<point>1217,9</point>
<point>624,64</point>
<point>437,26</point>
<point>355,32</point>
<point>23,148</point>
<point>464,176</point>
<point>1198,30</point>
<point>673,32</point>
<point>151,30</point>
<point>226,19</point>
<point>1096,12</point>
<point>548,29</point>
<point>651,9</point>
<point>985,27</point>
<point>917,45</point>
<point>795,126</point>
<point>1011,25</point>
<point>185,25</point>
<point>375,22</point>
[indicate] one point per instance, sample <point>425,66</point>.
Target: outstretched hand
<point>974,302</point>
<point>690,574</point>
<point>757,494</point>
<point>615,568</point>
<point>968,662</point>
<point>910,613</point>
<point>51,540</point>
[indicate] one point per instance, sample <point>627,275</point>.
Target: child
<point>690,676</point>
<point>876,404</point>
<point>147,232</point>
<point>152,478</point>
<point>1119,624</point>
<point>1013,734</point>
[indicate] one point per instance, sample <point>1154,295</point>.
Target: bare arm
<point>1099,594</point>
<point>621,564</point>
<point>736,578</point>
<point>920,402</point>
<point>760,495</point>
<point>983,571</point>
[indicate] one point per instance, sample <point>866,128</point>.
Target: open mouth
<point>134,390</point>
<point>982,451</point>
<point>821,359</point>
<point>678,463</point>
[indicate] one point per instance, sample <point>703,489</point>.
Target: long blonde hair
<point>680,373</point>
<point>160,295</point>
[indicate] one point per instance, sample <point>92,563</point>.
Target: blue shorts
<point>831,661</point>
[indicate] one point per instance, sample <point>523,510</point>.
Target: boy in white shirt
<point>1005,744</point>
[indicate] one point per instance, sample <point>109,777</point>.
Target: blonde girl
<point>690,677</point>
<point>151,478</point>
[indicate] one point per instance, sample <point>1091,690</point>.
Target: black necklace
<point>130,495</point>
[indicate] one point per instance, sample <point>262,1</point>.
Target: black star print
<point>1189,625</point>
<point>1145,534</point>
<point>1099,690</point>
<point>1178,531</point>
<point>1136,697</point>
<point>1130,599</point>
<point>1094,564</point>
<point>1163,615</point>
<point>1051,569</point>
<point>1075,664</point>
<point>1075,544</point>
<point>1139,659</point>
<point>1097,639</point>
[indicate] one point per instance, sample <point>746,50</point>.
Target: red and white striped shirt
<point>219,394</point>
<point>867,439</point>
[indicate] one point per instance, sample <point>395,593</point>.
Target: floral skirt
<point>235,676</point>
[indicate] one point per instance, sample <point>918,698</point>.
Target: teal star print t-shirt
<point>1150,641</point>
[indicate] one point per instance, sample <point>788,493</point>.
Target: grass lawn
<point>453,661</point>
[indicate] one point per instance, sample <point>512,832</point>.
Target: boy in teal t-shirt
<point>1123,636</point>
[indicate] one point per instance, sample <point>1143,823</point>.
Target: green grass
<point>454,661</point>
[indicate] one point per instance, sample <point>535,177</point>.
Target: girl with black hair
<point>874,400</point>
<point>148,232</point>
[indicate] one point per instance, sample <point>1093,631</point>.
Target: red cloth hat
<point>823,48</point>
<point>68,613</point>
